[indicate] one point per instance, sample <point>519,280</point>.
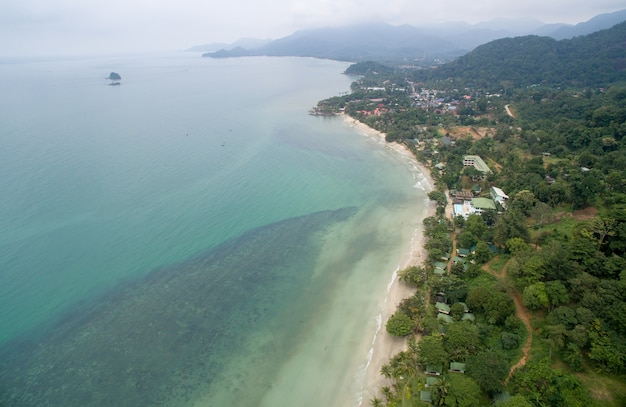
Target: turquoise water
<point>192,236</point>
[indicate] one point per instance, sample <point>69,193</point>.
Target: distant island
<point>114,76</point>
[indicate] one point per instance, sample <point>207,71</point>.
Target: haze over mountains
<point>384,42</point>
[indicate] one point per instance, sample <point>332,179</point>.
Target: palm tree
<point>386,370</point>
<point>376,402</point>
<point>443,386</point>
<point>387,393</point>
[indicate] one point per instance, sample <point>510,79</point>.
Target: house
<point>431,381</point>
<point>483,204</point>
<point>439,268</point>
<point>446,141</point>
<point>474,207</point>
<point>498,195</point>
<point>445,318</point>
<point>433,370</point>
<point>476,162</point>
<point>468,317</point>
<point>442,307</point>
<point>462,252</point>
<point>426,396</point>
<point>457,367</point>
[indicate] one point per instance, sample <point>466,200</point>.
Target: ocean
<point>192,237</point>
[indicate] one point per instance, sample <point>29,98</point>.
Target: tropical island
<point>521,300</point>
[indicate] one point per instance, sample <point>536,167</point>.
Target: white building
<point>498,195</point>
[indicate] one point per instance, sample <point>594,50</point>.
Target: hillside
<point>593,60</point>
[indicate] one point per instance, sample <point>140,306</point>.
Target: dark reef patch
<point>165,336</point>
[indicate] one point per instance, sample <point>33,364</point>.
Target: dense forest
<point>524,305</point>
<point>534,60</point>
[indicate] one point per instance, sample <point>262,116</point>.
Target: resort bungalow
<point>426,396</point>
<point>498,195</point>
<point>442,307</point>
<point>457,367</point>
<point>433,370</point>
<point>439,268</point>
<point>445,318</point>
<point>431,381</point>
<point>468,317</point>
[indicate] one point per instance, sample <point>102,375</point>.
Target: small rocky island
<point>114,77</point>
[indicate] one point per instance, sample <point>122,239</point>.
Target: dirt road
<point>521,312</point>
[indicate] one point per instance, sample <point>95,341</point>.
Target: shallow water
<point>191,237</point>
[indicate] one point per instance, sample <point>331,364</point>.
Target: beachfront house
<point>439,268</point>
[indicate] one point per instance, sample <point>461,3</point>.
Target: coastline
<point>383,345</point>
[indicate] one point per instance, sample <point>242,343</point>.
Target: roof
<point>442,307</point>
<point>463,251</point>
<point>426,396</point>
<point>445,318</point>
<point>457,367</point>
<point>433,369</point>
<point>439,264</point>
<point>468,317</point>
<point>498,192</point>
<point>431,381</point>
<point>478,163</point>
<point>483,203</point>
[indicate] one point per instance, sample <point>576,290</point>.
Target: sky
<point>76,27</point>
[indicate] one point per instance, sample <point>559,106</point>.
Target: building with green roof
<point>482,204</point>
<point>476,162</point>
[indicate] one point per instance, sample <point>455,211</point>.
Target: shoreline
<point>383,345</point>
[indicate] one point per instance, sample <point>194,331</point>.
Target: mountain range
<point>405,43</point>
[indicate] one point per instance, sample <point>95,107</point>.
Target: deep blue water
<point>150,230</point>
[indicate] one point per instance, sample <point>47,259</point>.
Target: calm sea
<point>191,236</point>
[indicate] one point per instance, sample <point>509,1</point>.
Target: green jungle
<point>521,302</point>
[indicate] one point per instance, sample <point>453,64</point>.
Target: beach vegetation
<point>400,324</point>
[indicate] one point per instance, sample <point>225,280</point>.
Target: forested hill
<point>596,59</point>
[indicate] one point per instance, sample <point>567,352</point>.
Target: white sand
<point>386,346</point>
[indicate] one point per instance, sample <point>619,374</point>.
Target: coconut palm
<point>376,402</point>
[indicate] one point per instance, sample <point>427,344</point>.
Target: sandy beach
<point>384,346</point>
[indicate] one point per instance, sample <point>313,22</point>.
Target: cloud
<point>75,26</point>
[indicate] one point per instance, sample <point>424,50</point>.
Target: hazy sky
<point>67,27</point>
